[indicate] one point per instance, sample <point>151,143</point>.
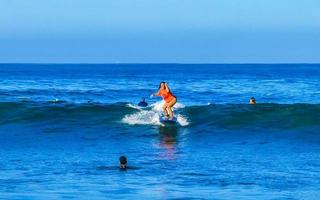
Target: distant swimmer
<point>168,97</point>
<point>143,103</point>
<point>252,101</point>
<point>123,165</point>
<point>123,162</point>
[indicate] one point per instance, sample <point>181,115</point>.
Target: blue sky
<point>175,31</point>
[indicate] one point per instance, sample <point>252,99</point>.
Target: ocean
<point>63,128</point>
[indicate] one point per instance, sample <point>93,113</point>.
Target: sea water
<point>63,128</point>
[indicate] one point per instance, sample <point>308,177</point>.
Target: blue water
<point>63,128</point>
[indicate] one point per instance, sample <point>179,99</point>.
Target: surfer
<point>143,102</point>
<point>252,101</point>
<point>168,97</point>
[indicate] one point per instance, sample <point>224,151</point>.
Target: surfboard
<point>166,120</point>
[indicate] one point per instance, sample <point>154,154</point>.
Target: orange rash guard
<point>167,96</point>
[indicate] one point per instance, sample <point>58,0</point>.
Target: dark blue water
<point>63,128</point>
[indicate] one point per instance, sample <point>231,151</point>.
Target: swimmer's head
<point>252,101</point>
<point>123,162</point>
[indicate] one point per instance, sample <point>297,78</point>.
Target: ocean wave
<point>228,116</point>
<point>267,116</point>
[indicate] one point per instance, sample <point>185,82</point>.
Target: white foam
<point>142,117</point>
<point>151,116</point>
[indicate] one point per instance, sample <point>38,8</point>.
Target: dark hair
<point>252,98</point>
<point>161,83</point>
<point>123,160</point>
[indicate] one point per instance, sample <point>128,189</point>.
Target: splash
<point>152,116</point>
<point>142,117</point>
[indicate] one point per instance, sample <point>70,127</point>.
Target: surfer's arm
<point>167,87</point>
<point>156,94</point>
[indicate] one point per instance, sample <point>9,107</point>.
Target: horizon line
<point>157,63</point>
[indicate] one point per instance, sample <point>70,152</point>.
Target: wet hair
<point>252,98</point>
<point>161,83</point>
<point>123,160</point>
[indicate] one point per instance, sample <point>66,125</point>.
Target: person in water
<point>123,162</point>
<point>252,101</point>
<point>168,97</point>
<point>143,103</point>
<point>123,165</point>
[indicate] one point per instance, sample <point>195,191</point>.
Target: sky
<point>159,31</point>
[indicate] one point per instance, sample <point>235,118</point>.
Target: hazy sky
<point>188,31</point>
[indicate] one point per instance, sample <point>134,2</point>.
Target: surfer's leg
<point>164,109</point>
<point>170,107</point>
<point>168,110</point>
